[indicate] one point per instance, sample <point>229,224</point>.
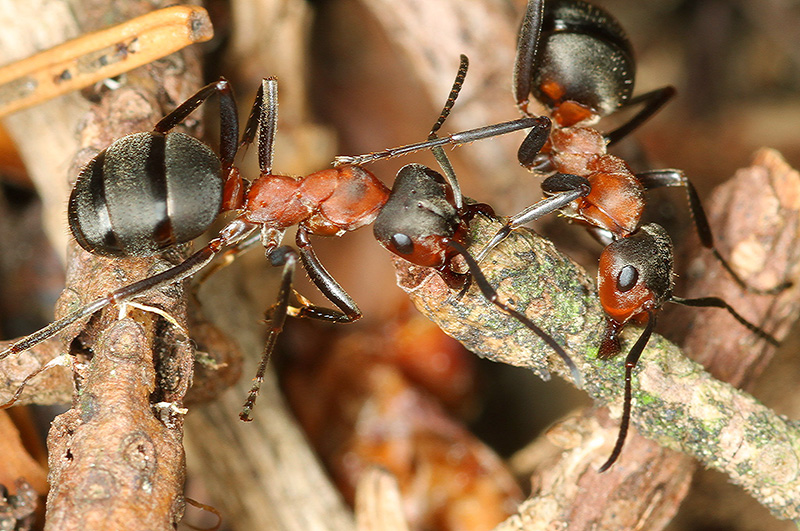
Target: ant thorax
<point>616,200</point>
<point>328,202</point>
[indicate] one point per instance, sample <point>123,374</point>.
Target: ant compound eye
<point>627,278</point>
<point>402,243</point>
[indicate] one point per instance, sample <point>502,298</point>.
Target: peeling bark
<point>112,461</point>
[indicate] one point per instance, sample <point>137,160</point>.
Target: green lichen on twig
<point>676,402</point>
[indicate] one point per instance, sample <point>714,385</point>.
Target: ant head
<point>635,274</point>
<point>583,57</point>
<point>419,218</point>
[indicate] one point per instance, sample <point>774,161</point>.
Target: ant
<point>148,192</point>
<point>576,60</point>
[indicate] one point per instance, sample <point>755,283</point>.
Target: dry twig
<point>115,457</point>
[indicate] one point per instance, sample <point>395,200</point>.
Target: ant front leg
<point>455,139</point>
<point>653,101</point>
<point>564,187</point>
<point>676,178</point>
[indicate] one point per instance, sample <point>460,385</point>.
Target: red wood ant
<point>575,59</point>
<point>148,192</point>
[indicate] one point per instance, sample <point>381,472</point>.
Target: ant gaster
<point>575,59</point>
<point>148,192</point>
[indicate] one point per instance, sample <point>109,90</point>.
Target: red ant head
<point>419,218</point>
<point>635,274</point>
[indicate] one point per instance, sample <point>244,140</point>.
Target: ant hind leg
<point>676,178</point>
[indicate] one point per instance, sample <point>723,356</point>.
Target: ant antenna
<point>438,151</point>
<point>630,362</point>
<point>716,302</point>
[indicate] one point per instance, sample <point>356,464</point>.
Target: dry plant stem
<point>114,464</point>
<point>115,460</point>
<point>379,505</point>
<point>92,58</point>
<point>142,464</point>
<point>568,491</point>
<point>676,403</point>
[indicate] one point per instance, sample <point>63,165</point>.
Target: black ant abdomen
<point>584,56</point>
<point>145,193</point>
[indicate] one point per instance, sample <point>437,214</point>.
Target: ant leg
<point>565,188</point>
<point>264,119</point>
<point>491,295</point>
<point>287,257</point>
<point>630,362</point>
<point>228,256</point>
<point>438,151</point>
<point>716,302</point>
<point>461,75</point>
<point>326,284</point>
<point>233,233</point>
<point>456,139</point>
<point>526,61</point>
<point>653,100</point>
<point>228,115</point>
<point>534,142</point>
<point>676,178</point>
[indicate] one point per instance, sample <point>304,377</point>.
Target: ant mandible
<point>150,191</point>
<point>575,59</point>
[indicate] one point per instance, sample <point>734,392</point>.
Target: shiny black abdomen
<point>144,193</point>
<point>585,51</point>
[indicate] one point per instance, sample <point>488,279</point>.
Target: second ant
<point>576,60</point>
